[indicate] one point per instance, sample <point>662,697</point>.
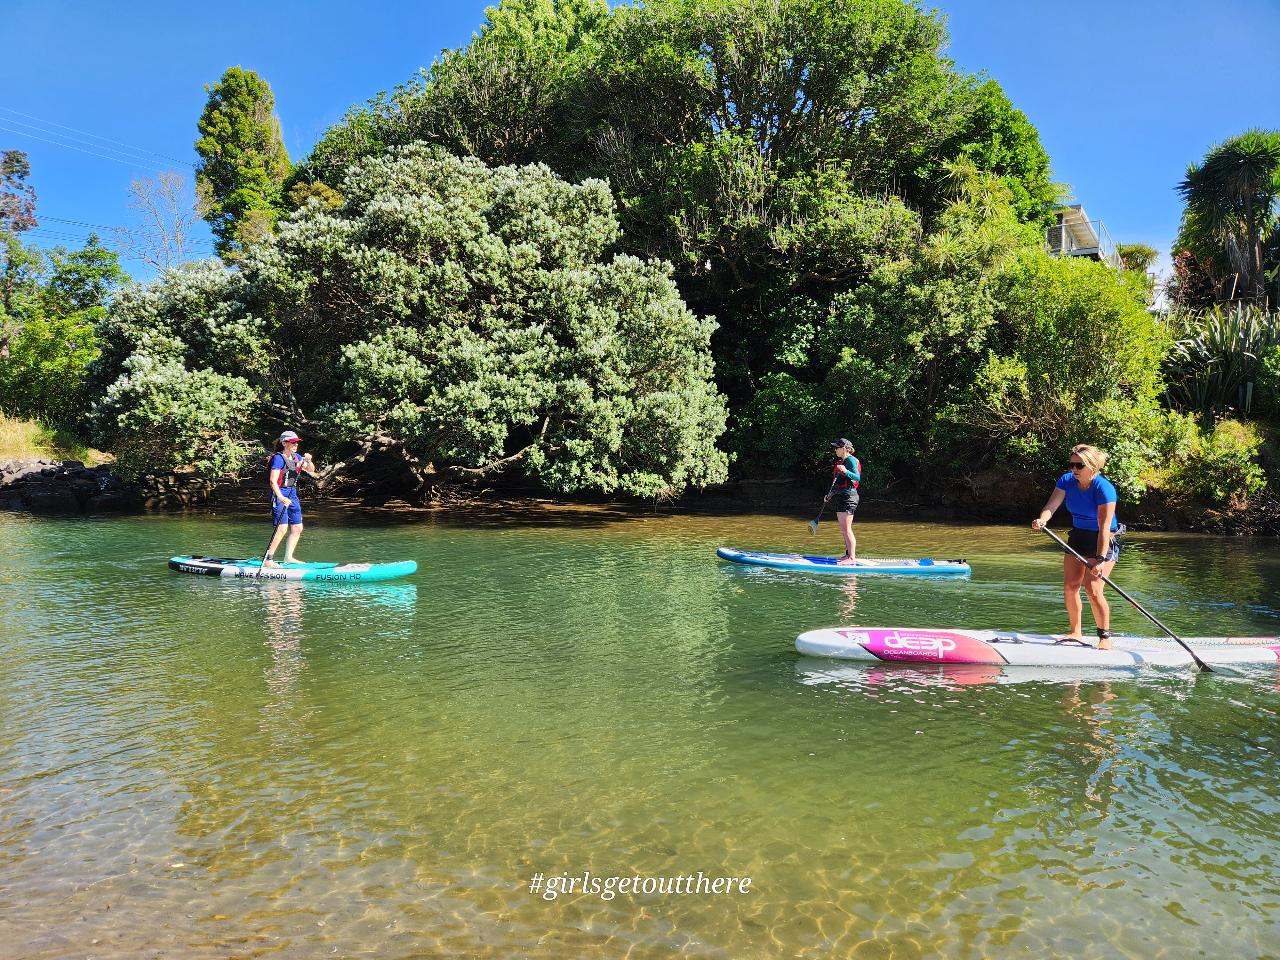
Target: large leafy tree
<point>244,163</point>
<point>1230,223</point>
<point>879,358</point>
<point>450,320</point>
<point>774,150</point>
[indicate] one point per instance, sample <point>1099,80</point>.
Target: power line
<point>134,148</point>
<point>69,146</point>
<point>131,231</point>
<point>129,154</point>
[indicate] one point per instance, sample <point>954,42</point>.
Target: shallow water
<point>197,768</point>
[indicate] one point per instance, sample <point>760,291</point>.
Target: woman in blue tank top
<point>1095,532</point>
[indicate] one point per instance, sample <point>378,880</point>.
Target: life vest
<point>289,475</point>
<point>842,482</point>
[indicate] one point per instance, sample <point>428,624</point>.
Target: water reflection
<point>813,671</point>
<point>849,599</point>
<point>283,603</point>
<point>1088,704</point>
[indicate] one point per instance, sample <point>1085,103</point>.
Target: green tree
<point>1138,257</point>
<point>998,138</point>
<point>777,152</point>
<point>178,380</point>
<point>879,358</point>
<point>50,333</point>
<point>244,163</point>
<point>1230,222</point>
<point>1074,357</point>
<point>459,321</point>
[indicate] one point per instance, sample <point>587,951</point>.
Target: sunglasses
<point>1076,465</point>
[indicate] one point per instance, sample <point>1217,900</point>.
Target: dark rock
<point>25,471</point>
<point>52,498</point>
<point>109,502</point>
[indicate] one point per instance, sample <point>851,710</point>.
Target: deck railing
<point>1082,238</point>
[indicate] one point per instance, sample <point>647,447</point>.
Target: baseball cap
<point>842,442</point>
<point>289,436</point>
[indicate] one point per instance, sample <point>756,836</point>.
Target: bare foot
<point>1104,644</point>
<point>292,560</point>
<point>269,562</point>
<point>846,562</point>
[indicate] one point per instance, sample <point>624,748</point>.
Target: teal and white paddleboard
<point>791,561</point>
<point>312,572</point>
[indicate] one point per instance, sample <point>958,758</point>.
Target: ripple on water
<point>196,768</point>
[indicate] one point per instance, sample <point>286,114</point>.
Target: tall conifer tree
<point>243,161</point>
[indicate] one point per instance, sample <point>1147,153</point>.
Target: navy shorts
<point>1085,543</point>
<point>845,501</point>
<point>292,514</point>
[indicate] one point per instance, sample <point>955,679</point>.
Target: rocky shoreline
<point>70,487</point>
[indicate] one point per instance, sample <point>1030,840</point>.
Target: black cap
<point>842,442</point>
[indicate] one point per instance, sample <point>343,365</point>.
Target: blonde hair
<point>1092,457</point>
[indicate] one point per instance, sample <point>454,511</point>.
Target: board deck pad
<point>1000,648</point>
<point>252,569</point>
<point>921,566</point>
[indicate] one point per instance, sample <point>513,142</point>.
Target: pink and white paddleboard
<point>997,648</point>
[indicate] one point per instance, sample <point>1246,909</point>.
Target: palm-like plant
<point>1231,208</point>
<point>1214,361</point>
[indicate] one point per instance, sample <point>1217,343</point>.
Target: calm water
<point>193,768</point>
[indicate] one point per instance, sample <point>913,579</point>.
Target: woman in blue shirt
<point>286,509</point>
<point>846,474</point>
<point>1091,498</point>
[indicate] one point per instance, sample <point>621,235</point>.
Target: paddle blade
<point>813,528</point>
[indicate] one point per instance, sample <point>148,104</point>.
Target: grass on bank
<point>33,440</point>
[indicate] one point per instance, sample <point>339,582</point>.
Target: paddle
<point>813,524</point>
<point>1139,607</point>
<point>263,563</point>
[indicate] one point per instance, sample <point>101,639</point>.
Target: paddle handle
<point>1136,605</point>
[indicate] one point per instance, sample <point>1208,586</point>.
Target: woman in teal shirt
<point>1091,498</point>
<point>847,474</point>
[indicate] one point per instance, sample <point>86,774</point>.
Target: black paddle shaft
<point>1136,605</point>
<point>825,501</point>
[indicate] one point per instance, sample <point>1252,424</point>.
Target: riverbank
<point>49,486</point>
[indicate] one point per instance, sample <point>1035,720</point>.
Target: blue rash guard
<point>1084,504</point>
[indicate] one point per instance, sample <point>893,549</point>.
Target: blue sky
<point>1124,94</point>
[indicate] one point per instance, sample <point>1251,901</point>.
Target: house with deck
<point>1073,234</point>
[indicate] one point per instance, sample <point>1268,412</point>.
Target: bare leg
<point>295,531</point>
<point>1098,605</point>
<point>1073,572</point>
<point>850,541</point>
<point>275,542</point>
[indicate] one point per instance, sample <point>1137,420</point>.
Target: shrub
<point>1222,466</point>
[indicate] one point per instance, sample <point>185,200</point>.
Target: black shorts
<point>844,501</point>
<point>1085,543</point>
